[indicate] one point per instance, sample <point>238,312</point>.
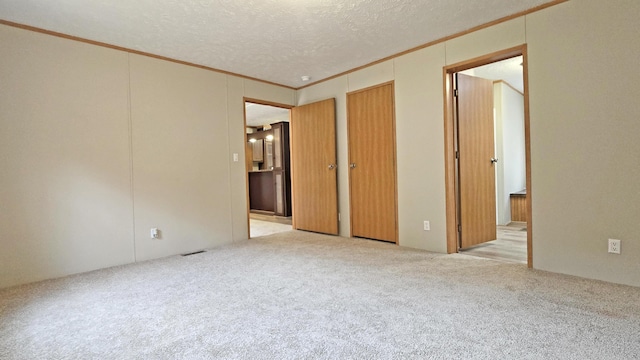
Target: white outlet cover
<point>427,226</point>
<point>614,246</point>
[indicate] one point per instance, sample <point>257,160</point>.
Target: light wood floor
<point>511,245</point>
<point>263,225</point>
<point>271,218</point>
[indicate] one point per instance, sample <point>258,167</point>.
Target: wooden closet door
<point>372,163</point>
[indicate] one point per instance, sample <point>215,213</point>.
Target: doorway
<point>267,162</point>
<point>487,157</point>
<point>303,169</point>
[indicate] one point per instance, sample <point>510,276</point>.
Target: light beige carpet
<point>298,295</point>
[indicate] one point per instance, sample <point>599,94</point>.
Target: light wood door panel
<point>372,149</point>
<point>476,170</point>
<point>314,181</point>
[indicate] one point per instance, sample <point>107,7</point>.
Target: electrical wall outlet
<point>427,226</point>
<point>614,246</point>
<point>154,233</point>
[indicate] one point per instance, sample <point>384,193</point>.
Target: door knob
<point>352,165</point>
<point>494,160</point>
<point>332,166</point>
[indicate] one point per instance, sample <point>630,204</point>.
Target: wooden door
<point>313,167</point>
<point>477,186</point>
<point>372,163</point>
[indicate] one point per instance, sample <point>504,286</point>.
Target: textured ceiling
<point>258,115</point>
<point>272,40</point>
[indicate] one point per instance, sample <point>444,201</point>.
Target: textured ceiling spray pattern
<point>273,40</point>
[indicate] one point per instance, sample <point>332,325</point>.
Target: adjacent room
<point>319,179</point>
<point>267,158</point>
<point>507,166</point>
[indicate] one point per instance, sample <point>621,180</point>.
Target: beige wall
<point>584,120</point>
<point>420,144</point>
<point>98,146</point>
<point>238,174</point>
<point>180,157</point>
<point>65,195</point>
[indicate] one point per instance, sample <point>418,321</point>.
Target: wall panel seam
<point>131,179</point>
<point>230,152</point>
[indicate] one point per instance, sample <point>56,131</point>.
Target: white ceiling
<point>258,115</point>
<point>508,70</point>
<point>272,40</point>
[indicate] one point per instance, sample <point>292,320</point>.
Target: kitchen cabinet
<point>281,169</point>
<point>258,150</point>
<point>270,179</point>
<point>261,190</point>
<point>268,155</point>
<point>518,202</point>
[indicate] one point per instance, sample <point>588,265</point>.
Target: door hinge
<point>455,92</point>
<point>459,228</point>
<point>457,155</point>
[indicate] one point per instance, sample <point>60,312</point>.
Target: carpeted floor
<point>297,295</point>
